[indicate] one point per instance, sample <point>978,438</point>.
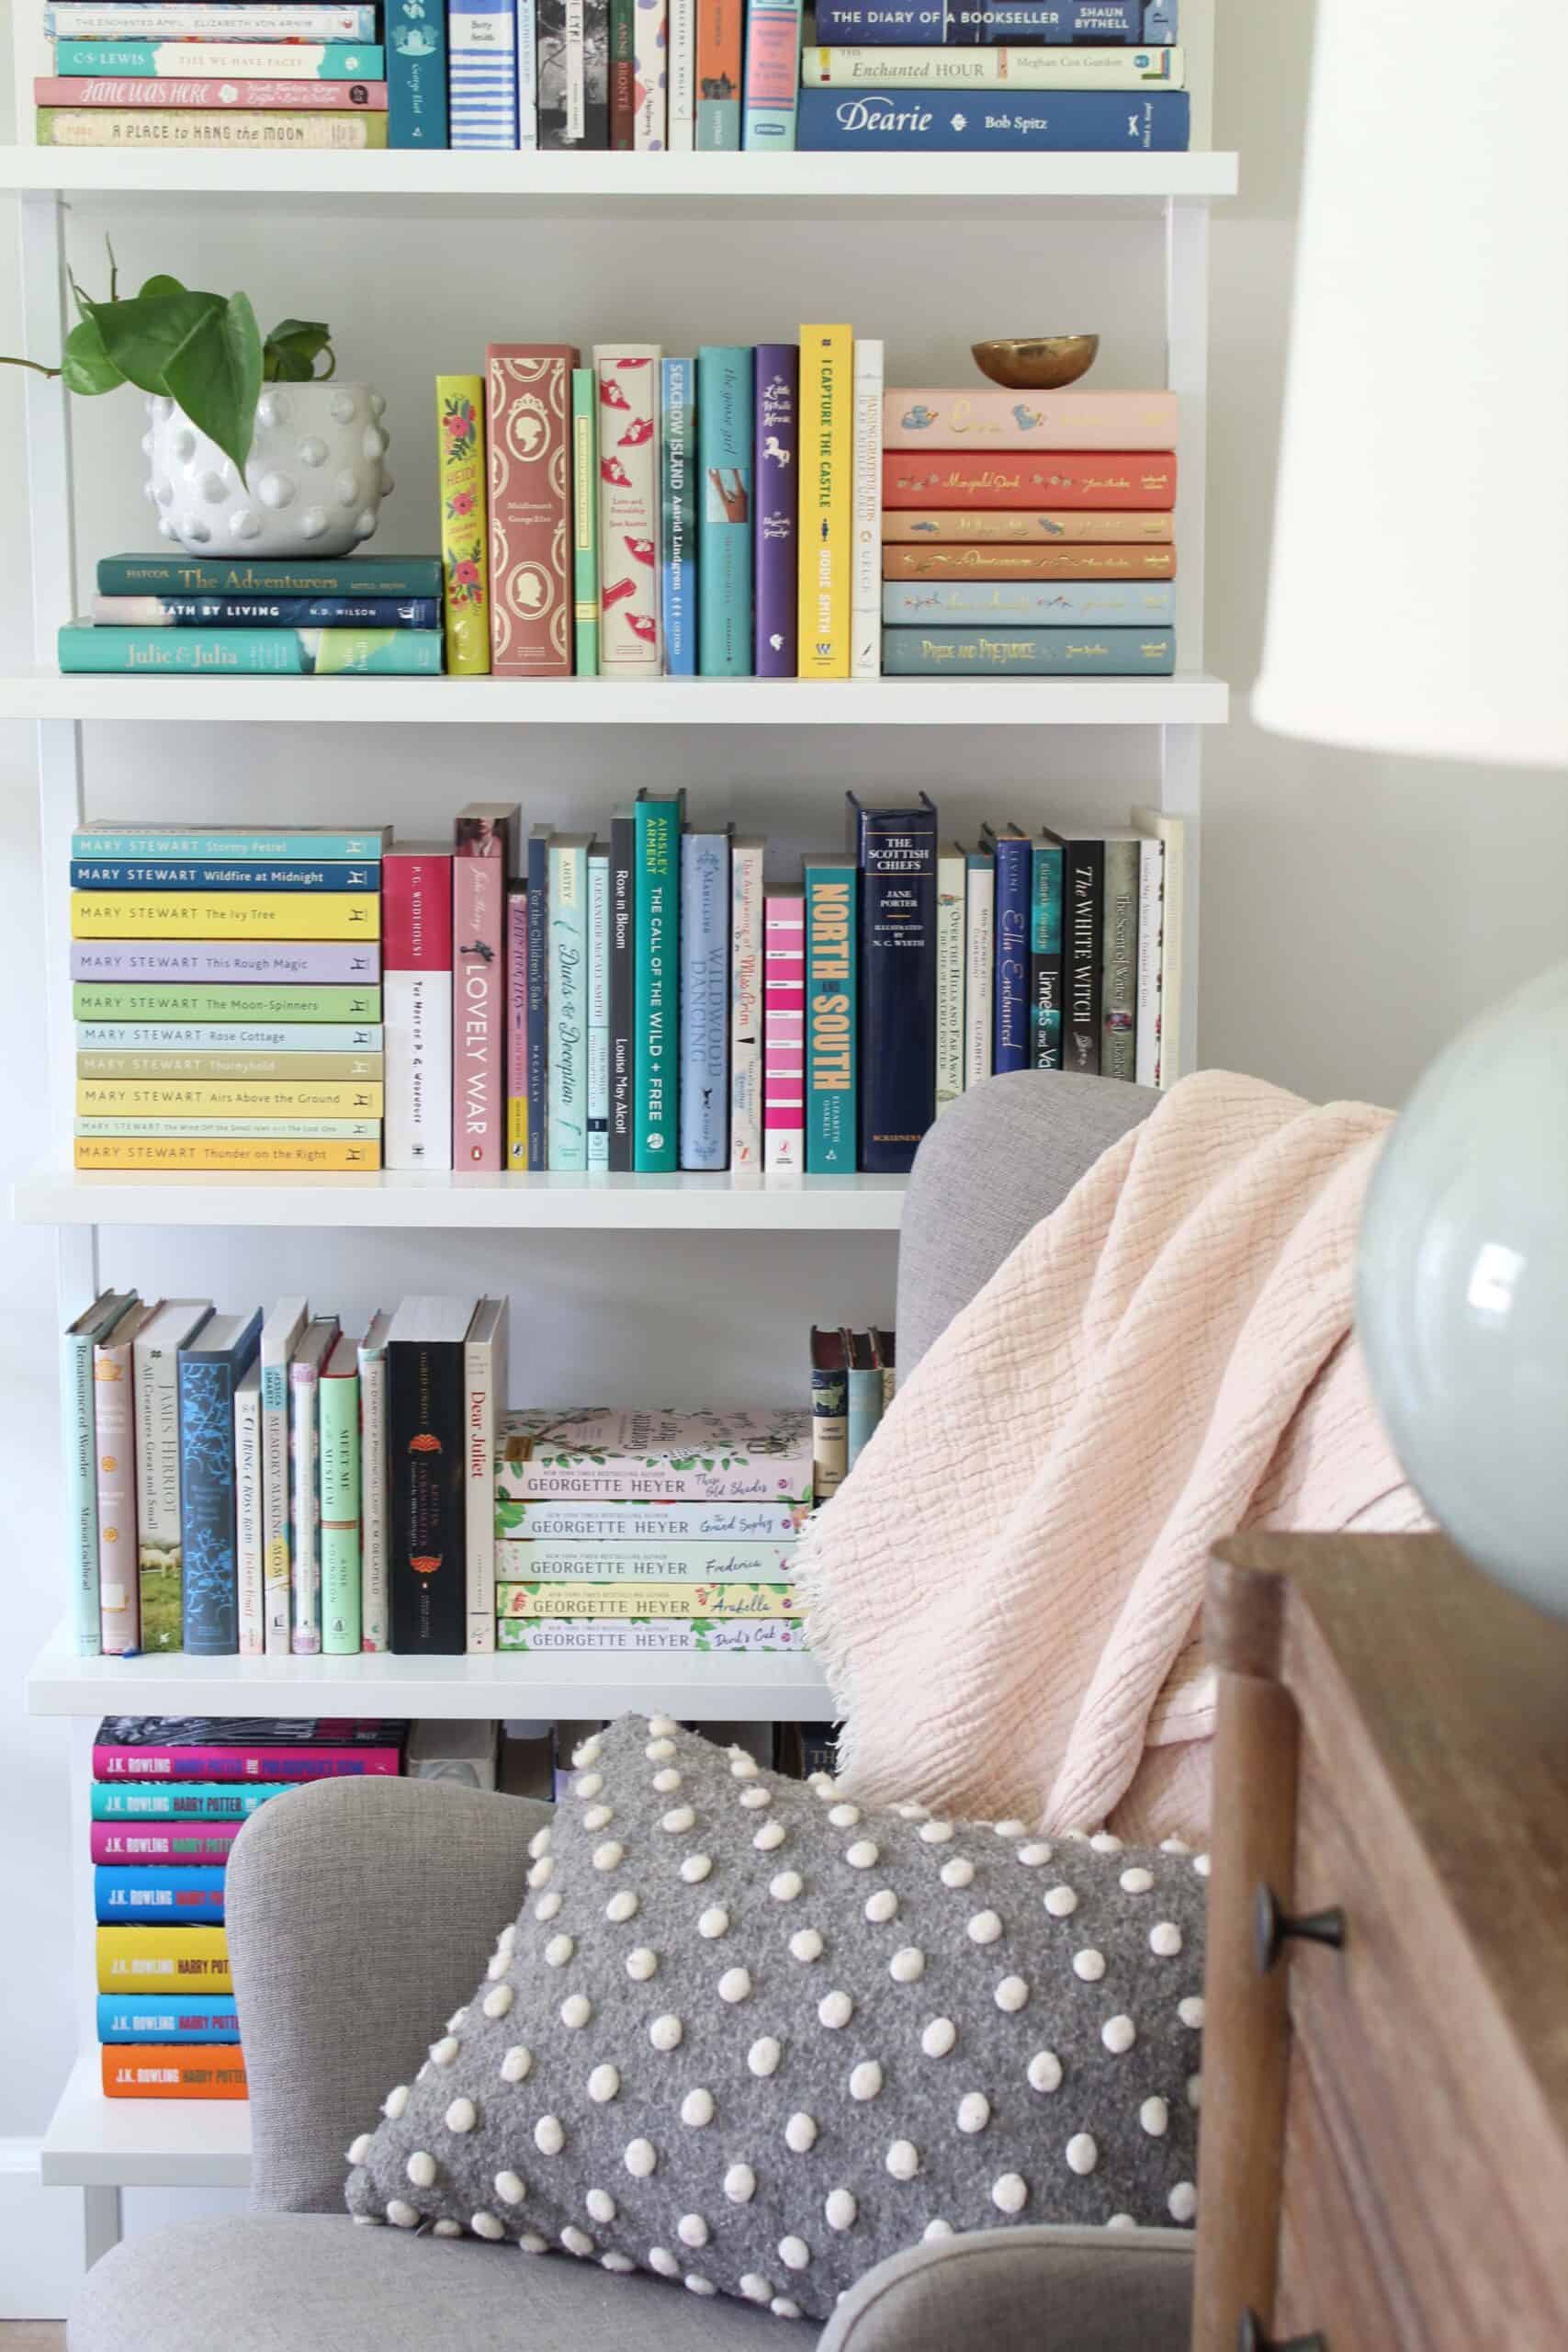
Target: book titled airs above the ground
<point>601,1454</point>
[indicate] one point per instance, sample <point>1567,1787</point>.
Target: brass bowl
<point>1036,363</point>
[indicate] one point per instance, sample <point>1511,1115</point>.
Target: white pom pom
<point>539,1843</point>
<point>532,2243</point>
<point>367,2221</point>
<point>794,2252</point>
<point>1166,1939</point>
<point>1044,2071</point>
<point>660,1751</point>
<point>546,1909</point>
<point>800,2133</point>
<point>1137,1882</point>
<point>548,2137</point>
<point>903,2160</point>
<point>542,1870</point>
<point>1200,1865</point>
<point>613,2261</point>
<point>1182,2202</point>
<point>935,2230</point>
<point>1060,1902</point>
<point>835,2009</point>
<point>359,2149</point>
<point>678,1820</point>
<point>755,2287</point>
<point>1104,1843</point>
<point>641,1963</point>
<point>558,1951</point>
<point>907,1965</point>
<point>446,2229</point>
<point>576,2241</point>
<point>445,2051</point>
<point>740,2183</point>
<point>1089,1966</point>
<point>714,1922</point>
<point>609,1856</point>
<point>1034,1854</point>
<point>841,2209</point>
<point>1190,2012</point>
<point>1009,2194</point>
<point>1081,2152</point>
<point>781,2308</point>
<point>1118,2035</point>
<point>692,2230</point>
<point>401,2216</point>
<point>785,1886</point>
<point>822,1783</point>
<point>1195,2091</point>
<point>735,1984</point>
<point>598,1816</point>
<point>864,1855</point>
<point>665,1784</point>
<point>1155,2117</point>
<point>462,2115</point>
<point>420,2169</point>
<point>640,2159</point>
<point>806,1944</point>
<point>984,1927</point>
<point>697,2285</point>
<point>588,1784</point>
<point>397,2100</point>
<point>697,2108</point>
<point>1174,1846</point>
<point>845,1817</point>
<point>1010,1994</point>
<point>696,1868</point>
<point>621,1906</point>
<point>659,2258</point>
<point>485,2225</point>
<point>576,2010</point>
<point>865,2080</point>
<point>497,2001</point>
<point>743,1767</point>
<point>600,2206</point>
<point>974,2111</point>
<point>510,2188</point>
<point>935,1833</point>
<point>604,2085</point>
<point>938,2037</point>
<point>516,2064</point>
<point>755,1797</point>
<point>882,1907</point>
<point>590,1751</point>
<point>958,1870</point>
<point>771,1835</point>
<point>666,2032</point>
<point>763,2058</point>
<point>663,1727</point>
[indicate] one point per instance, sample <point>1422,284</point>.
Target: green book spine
<point>656,1041</point>
<point>832,1122</point>
<point>190,575</point>
<point>249,653</point>
<point>585,518</point>
<point>339,1457</point>
<point>123,1001</point>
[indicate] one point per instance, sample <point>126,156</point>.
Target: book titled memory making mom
<point>243,1748</point>
<point>600,1454</point>
<point>1052,23</point>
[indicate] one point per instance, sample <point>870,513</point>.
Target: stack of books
<point>651,1531</point>
<point>1028,534</point>
<point>1029,76</point>
<point>853,1378</point>
<point>177,614</point>
<point>170,1796</point>
<point>244,77</point>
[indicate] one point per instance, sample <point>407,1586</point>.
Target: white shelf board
<point>1184,700</point>
<point>395,1201</point>
<point>97,2142</point>
<point>478,183</point>
<point>577,1683</point>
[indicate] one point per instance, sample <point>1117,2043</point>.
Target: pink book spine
<point>131,1842</point>
<point>517,1028</point>
<point>783,1033</point>
<point>241,1763</point>
<point>479,1098</point>
<point>120,1612</point>
<point>932,418</point>
<point>628,510</point>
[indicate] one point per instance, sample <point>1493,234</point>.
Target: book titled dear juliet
<point>654,1455</point>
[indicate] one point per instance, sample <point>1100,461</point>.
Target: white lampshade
<point>1419,593</point>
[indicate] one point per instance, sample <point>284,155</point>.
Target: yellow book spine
<point>180,1156</point>
<point>225,914</point>
<point>826,497</point>
<point>117,1098</point>
<point>461,459</point>
<point>160,1958</point>
<point>627,1598</point>
<point>517,1131</point>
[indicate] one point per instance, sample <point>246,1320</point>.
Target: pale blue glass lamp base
<point>1462,1294</point>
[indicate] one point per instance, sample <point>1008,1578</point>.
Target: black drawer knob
<point>1250,2337</point>
<point>1275,1928</point>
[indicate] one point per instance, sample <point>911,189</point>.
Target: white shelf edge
<point>97,2142</point>
<point>758,1689</point>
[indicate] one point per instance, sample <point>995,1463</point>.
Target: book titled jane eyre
<point>424,1451</point>
<point>211,1367</point>
<point>243,1747</point>
<point>596,1451</point>
<point>895,850</point>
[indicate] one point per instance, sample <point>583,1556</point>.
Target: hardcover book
<point>614,1529</point>
<point>1011,1040</point>
<point>598,996</point>
<point>375,1528</point>
<point>484,1401</point>
<point>166,128</point>
<point>1034,603</point>
<point>516,990</point>
<point>172,2070</point>
<point>1131,480</point>
<point>630,640</point>
<point>1028,652</point>
<point>118,1002</point>
<point>702,1637</point>
<point>705,1000</point>
<point>995,420</point>
<point>133,1960</point>
<point>979,964</point>
<point>623,951</point>
<point>481,72</point>
<point>538,994</point>
<point>280,1334</point>
<point>211,874</point>
<point>181,21</point>
<point>724,463</point>
<point>202,915</point>
<point>530,508</point>
<point>425,1350</point>
<point>746,858</point>
<point>155,1381</point>
<point>682,112</point>
<point>955,22</point>
<point>219,1102</point>
<point>1151,875</point>
<point>316,1344</point>
<point>772,80</point>
<point>244,1069</point>
<point>249,653</point>
<point>281,60</point>
<point>115,1469</point>
<point>992,525</point>
<point>190,1802</point>
<point>950,898</point>
<point>527,30</point>
<point>831,1111</point>
<point>180,574</point>
<point>1045,952</point>
<point>1083,891</point>
<point>1119,957</point>
<point>585,1566</point>
<point>783,1033</point>
<point>895,850</point>
<point>648,1602</point>
<point>211,1367</point>
<point>596,1453</point>
<point>484,860</point>
<point>678,495</point>
<point>865,592</point>
<point>129,2019</point>
<point>168,1844</point>
<point>656,1081</point>
<point>568,1048</point>
<point>864,1394</point>
<point>254,94</point>
<point>951,68</point>
<point>78,1423</point>
<point>345,964</point>
<point>930,122</point>
<point>623,75</point>
<point>460,458</point>
<point>250,1539</point>
<point>1170,833</point>
<point>416,74</point>
<point>651,88</point>
<point>572,39</point>
<point>776,538</point>
<point>225,1155</point>
<point>1081,561</point>
<point>243,1747</point>
<point>184,1897</point>
<point>417,885</point>
<point>585,522</point>
<point>829,1412</point>
<point>720,25</point>
<point>338,1438</point>
<point>827,469</point>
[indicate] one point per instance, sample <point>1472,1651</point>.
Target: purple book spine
<point>302,964</point>
<point>777,542</point>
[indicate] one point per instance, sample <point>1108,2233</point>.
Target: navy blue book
<point>1010,1023</point>
<point>705,998</point>
<point>185,1897</point>
<point>895,851</point>
<point>1101,24</point>
<point>538,997</point>
<point>1005,122</point>
<point>623,941</point>
<point>1083,893</point>
<point>209,1370</point>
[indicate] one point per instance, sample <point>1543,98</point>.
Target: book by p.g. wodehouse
<point>725,518</point>
<point>705,1000</point>
<point>281,1333</point>
<point>897,851</point>
<point>270,60</point>
<point>880,122</point>
<point>465,552</point>
<point>191,1897</point>
<point>746,859</point>
<point>528,428</point>
<point>1119,955</point>
<point>612,1528</point>
<point>567,1048</point>
<point>950,968</point>
<point>702,1637</point>
<point>601,1454</point>
<point>173,2070</point>
<point>831,1057</point>
<point>225,1748</point>
<point>648,1601</point>
<point>826,458</point>
<point>255,652</point>
<point>486,845</point>
<point>1006,525</point>
<point>783,1033</point>
<point>484,1400</point>
<point>954,23</point>
<point>655,1039</point>
<point>112,1002</point>
<point>191,1803</point>
<point>1028,652</point>
<point>983,479</point>
<point>211,1367</point>
<point>1010,1012</point>
<point>1079,561</point>
<point>148,2018</point>
<point>417,885</point>
<point>169,1844</point>
<point>1047,867</point>
<point>829,1410</point>
<point>316,1344</point>
<point>338,1451</point>
<point>168,127</point>
<point>776,535</point>
<point>131,1959</point>
<point>202,915</point>
<point>416,74</point>
<point>183,575</point>
<point>1028,603</point>
<point>425,1438</point>
<point>680,1564</point>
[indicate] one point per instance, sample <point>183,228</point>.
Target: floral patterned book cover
<point>460,403</point>
<point>701,1635</point>
<point>654,1456</point>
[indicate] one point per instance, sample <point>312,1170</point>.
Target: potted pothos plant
<point>254,447</point>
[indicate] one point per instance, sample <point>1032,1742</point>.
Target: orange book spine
<point>923,525</point>
<point>1142,479</point>
<point>174,2070</point>
<point>720,25</point>
<point>1082,562</point>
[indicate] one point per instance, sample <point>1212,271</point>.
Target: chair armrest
<point>360,1914</point>
<point>1025,2290</point>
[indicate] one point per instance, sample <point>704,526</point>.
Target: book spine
<point>527,34</point>
<point>932,122</point>
<point>333,963</point>
<point>209,1596</point>
<point>598,1008</point>
<point>865,587</point>
<point>224,1154</point>
<point>538,1001</point>
<point>656,1074</point>
<point>950,945</point>
<point>425,1396</point>
<point>156,1398</point>
<point>460,456</point>
<point>568,1007</point>
<point>1151,920</point>
<point>244,1069</point>
<point>651,97</point>
<point>1119,961</point>
<point>566,1601</point>
<point>610,1530</point>
<point>928,418</point>
<point>267,21</point>
<point>121,1001</point>
<point>776,540</point>
<point>682,70</point>
<point>623,75</point>
<point>483,1376</point>
<point>278,1516</point>
<point>182,1802</point>
<point>1045,956</point>
<point>515,989</point>
<point>141,874</point>
<point>827,465</point>
<point>865,1412</point>
<point>1083,881</point>
<point>1010,1050</point>
<point>199,914</point>
<point>623,986</point>
<point>830,1429</point>
<point>739,1483</point>
<point>629,635</point>
<point>479,1060</point>
<point>248,1130</point>
<point>720,29</point>
<point>952,22</point>
<point>784,1034</point>
<point>704,1001</point>
<point>584,522</point>
<point>305,1561</point>
<point>250,1543</point>
<point>951,68</point>
<point>557,46</point>
<point>192,1896</point>
<point>239,1759</point>
<point>746,1006</point>
<point>172,2070</point>
<point>114,1469</point>
<point>418,899</point>
<point>416,74</point>
<point>680,1564</point>
<point>530,509</point>
<point>678,553</point>
<point>219,1101</point>
<point>1089,560</point>
<point>1034,603</point>
<point>76,61</point>
<point>1028,652</point>
<point>997,526</point>
<point>771,85</point>
<point>186,575</point>
<point>119,2019</point>
<point>743,1637</point>
<point>897,988</point>
<point>262,96</point>
<point>1118,480</point>
<point>137,1959</point>
<point>166,128</point>
<point>81,1490</point>
<point>830,1108</point>
<point>724,462</point>
<point>375,1629</point>
<point>166,1846</point>
<point>481,42</point>
<point>342,1630</point>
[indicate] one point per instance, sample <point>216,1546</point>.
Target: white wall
<point>1354,911</point>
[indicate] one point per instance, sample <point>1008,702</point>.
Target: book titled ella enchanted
<point>897,852</point>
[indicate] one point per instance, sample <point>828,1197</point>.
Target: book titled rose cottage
<point>598,1452</point>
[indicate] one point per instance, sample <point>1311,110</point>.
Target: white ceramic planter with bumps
<point>313,486</point>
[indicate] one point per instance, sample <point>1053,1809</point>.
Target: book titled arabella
<point>601,1454</point>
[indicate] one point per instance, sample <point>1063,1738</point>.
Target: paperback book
<point>601,1454</point>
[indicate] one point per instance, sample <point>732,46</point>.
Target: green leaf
<point>142,334</point>
<point>160,285</point>
<point>216,376</point>
<point>292,348</point>
<point>85,367</point>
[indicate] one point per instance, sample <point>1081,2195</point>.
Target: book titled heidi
<point>484,860</point>
<point>425,1384</point>
<point>225,1748</point>
<point>597,1452</point>
<point>529,406</point>
<point>897,851</point>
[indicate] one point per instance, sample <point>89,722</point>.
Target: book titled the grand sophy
<point>598,1452</point>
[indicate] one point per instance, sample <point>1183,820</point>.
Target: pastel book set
<point>649,76</point>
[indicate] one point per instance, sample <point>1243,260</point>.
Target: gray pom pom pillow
<point>752,2036</point>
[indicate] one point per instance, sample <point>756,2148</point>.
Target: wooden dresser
<point>1384,2158</point>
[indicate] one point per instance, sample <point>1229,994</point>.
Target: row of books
<point>366,616</point>
<point>853,1374</point>
<point>650,76</point>
<point>169,1797</point>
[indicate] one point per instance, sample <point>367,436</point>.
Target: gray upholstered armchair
<point>360,1911</point>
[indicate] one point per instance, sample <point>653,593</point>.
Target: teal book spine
<point>656,1087</point>
<point>598,1008</point>
<point>249,653</point>
<point>1027,652</point>
<point>725,451</point>
<point>831,1076</point>
<point>585,523</point>
<point>1045,955</point>
<point>678,514</point>
<point>416,74</point>
<point>190,576</point>
<point>864,1409</point>
<point>568,1048</point>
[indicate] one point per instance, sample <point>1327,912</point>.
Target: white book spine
<point>418,1007</point>
<point>484,1376</point>
<point>156,1395</point>
<point>306,1566</point>
<point>950,929</point>
<point>375,1630</point>
<point>527,77</point>
<point>979,973</point>
<point>865,592</point>
<point>1151,877</point>
<point>683,75</point>
<point>250,1549</point>
<point>280,1336</point>
<point>599,1009</point>
<point>746,1007</point>
<point>651,128</point>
